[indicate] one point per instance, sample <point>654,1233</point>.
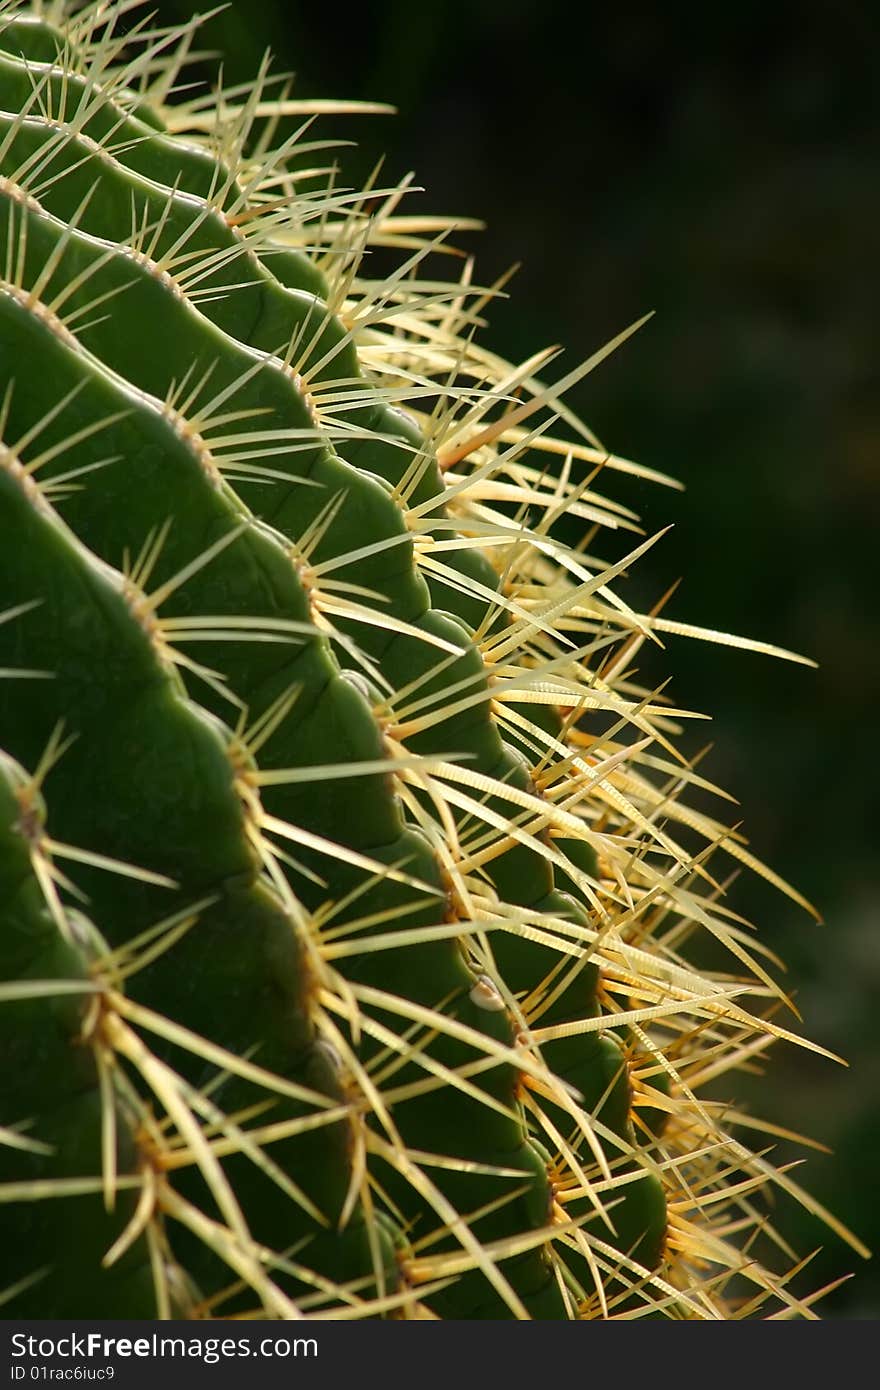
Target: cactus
<point>345,886</point>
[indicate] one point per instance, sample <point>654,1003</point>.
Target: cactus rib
<point>383,992</point>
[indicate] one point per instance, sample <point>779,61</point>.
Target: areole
<point>377,1003</point>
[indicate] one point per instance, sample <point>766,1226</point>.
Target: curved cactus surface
<point>344,902</point>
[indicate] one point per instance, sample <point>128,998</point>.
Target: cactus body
<point>379,1008</point>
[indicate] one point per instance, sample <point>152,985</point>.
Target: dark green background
<point>718,164</point>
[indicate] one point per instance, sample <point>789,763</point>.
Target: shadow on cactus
<point>346,872</point>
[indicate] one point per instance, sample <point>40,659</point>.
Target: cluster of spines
<point>467,1103</point>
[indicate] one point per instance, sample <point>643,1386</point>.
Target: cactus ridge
<point>384,1011</point>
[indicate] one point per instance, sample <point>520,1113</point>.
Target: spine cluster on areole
<point>377,1002</point>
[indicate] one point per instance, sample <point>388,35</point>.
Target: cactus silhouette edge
<point>347,872</point>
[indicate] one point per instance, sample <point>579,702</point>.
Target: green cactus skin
<point>140,712</point>
<point>345,1019</point>
<point>39,1036</point>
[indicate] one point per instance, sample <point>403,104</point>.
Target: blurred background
<point>719,165</point>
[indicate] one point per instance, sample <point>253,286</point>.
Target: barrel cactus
<point>347,874</point>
